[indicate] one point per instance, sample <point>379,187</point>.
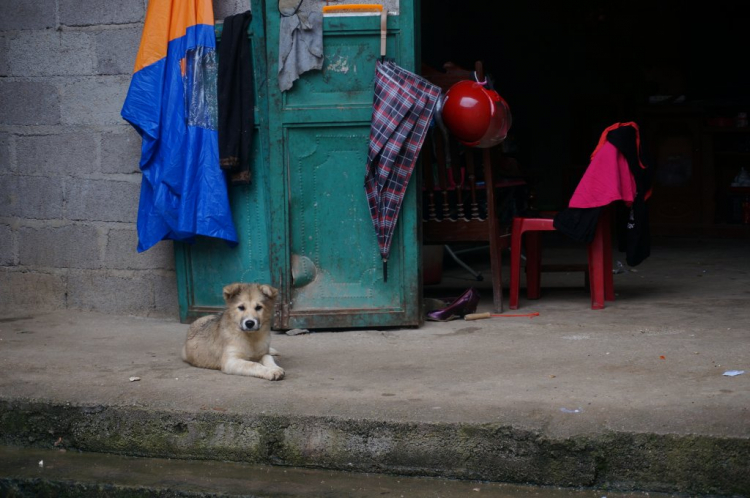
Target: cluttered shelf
<point>702,158</point>
<point>726,129</point>
<point>732,153</point>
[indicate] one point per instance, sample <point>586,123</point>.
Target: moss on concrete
<point>624,461</point>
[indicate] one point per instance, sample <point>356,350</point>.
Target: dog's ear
<point>269,292</point>
<point>231,290</point>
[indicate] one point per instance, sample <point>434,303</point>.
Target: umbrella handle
<point>385,270</point>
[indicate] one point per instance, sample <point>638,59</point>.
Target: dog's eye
<point>258,308</point>
<point>241,307</point>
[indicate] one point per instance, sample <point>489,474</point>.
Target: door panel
<point>324,252</point>
<point>348,69</point>
<point>330,223</point>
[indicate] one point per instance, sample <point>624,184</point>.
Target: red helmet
<point>478,117</point>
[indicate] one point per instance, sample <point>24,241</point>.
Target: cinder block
<point>3,56</point>
<point>101,200</point>
<point>30,291</point>
<point>25,14</point>
<point>51,53</point>
<point>7,250</point>
<point>4,153</point>
<point>96,291</point>
<point>29,103</point>
<point>116,50</point>
<point>121,253</point>
<point>94,12</point>
<point>224,8</point>
<point>8,197</point>
<point>94,100</point>
<point>166,304</point>
<point>71,246</point>
<point>33,197</point>
<point>121,152</point>
<point>71,153</point>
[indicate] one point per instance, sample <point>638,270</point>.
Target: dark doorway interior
<point>569,69</point>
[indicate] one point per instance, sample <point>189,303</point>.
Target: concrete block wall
<point>69,176</point>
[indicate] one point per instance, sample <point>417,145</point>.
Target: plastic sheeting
<point>172,103</point>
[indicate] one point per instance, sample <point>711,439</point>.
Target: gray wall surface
<point>69,176</point>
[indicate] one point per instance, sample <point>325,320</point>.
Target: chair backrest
<point>452,74</point>
<point>451,186</point>
<point>456,200</point>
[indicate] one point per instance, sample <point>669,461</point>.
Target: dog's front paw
<point>273,352</point>
<point>274,373</point>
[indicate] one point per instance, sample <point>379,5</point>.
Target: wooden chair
<point>458,206</point>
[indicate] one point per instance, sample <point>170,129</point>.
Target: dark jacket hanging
<point>633,233</point>
<point>236,98</point>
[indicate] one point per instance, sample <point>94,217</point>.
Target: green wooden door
<point>205,267</point>
<point>324,252</point>
<point>303,223</point>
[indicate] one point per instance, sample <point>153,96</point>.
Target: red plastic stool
<point>599,259</point>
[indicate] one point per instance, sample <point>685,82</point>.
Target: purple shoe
<point>463,305</point>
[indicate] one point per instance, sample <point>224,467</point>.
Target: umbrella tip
<point>385,270</point>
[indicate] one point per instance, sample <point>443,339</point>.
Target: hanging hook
<point>479,73</point>
<point>383,32</point>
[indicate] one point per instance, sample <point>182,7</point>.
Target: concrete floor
<point>651,363</point>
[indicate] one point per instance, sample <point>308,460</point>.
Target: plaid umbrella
<point>402,109</point>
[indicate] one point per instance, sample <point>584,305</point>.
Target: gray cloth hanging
<point>300,43</point>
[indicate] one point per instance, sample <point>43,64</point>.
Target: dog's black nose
<point>249,324</point>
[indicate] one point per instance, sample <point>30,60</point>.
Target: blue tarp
<point>172,103</point>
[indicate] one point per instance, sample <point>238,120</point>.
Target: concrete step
<point>60,473</point>
<point>486,452</point>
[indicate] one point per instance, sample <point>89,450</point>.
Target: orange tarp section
<point>170,20</point>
